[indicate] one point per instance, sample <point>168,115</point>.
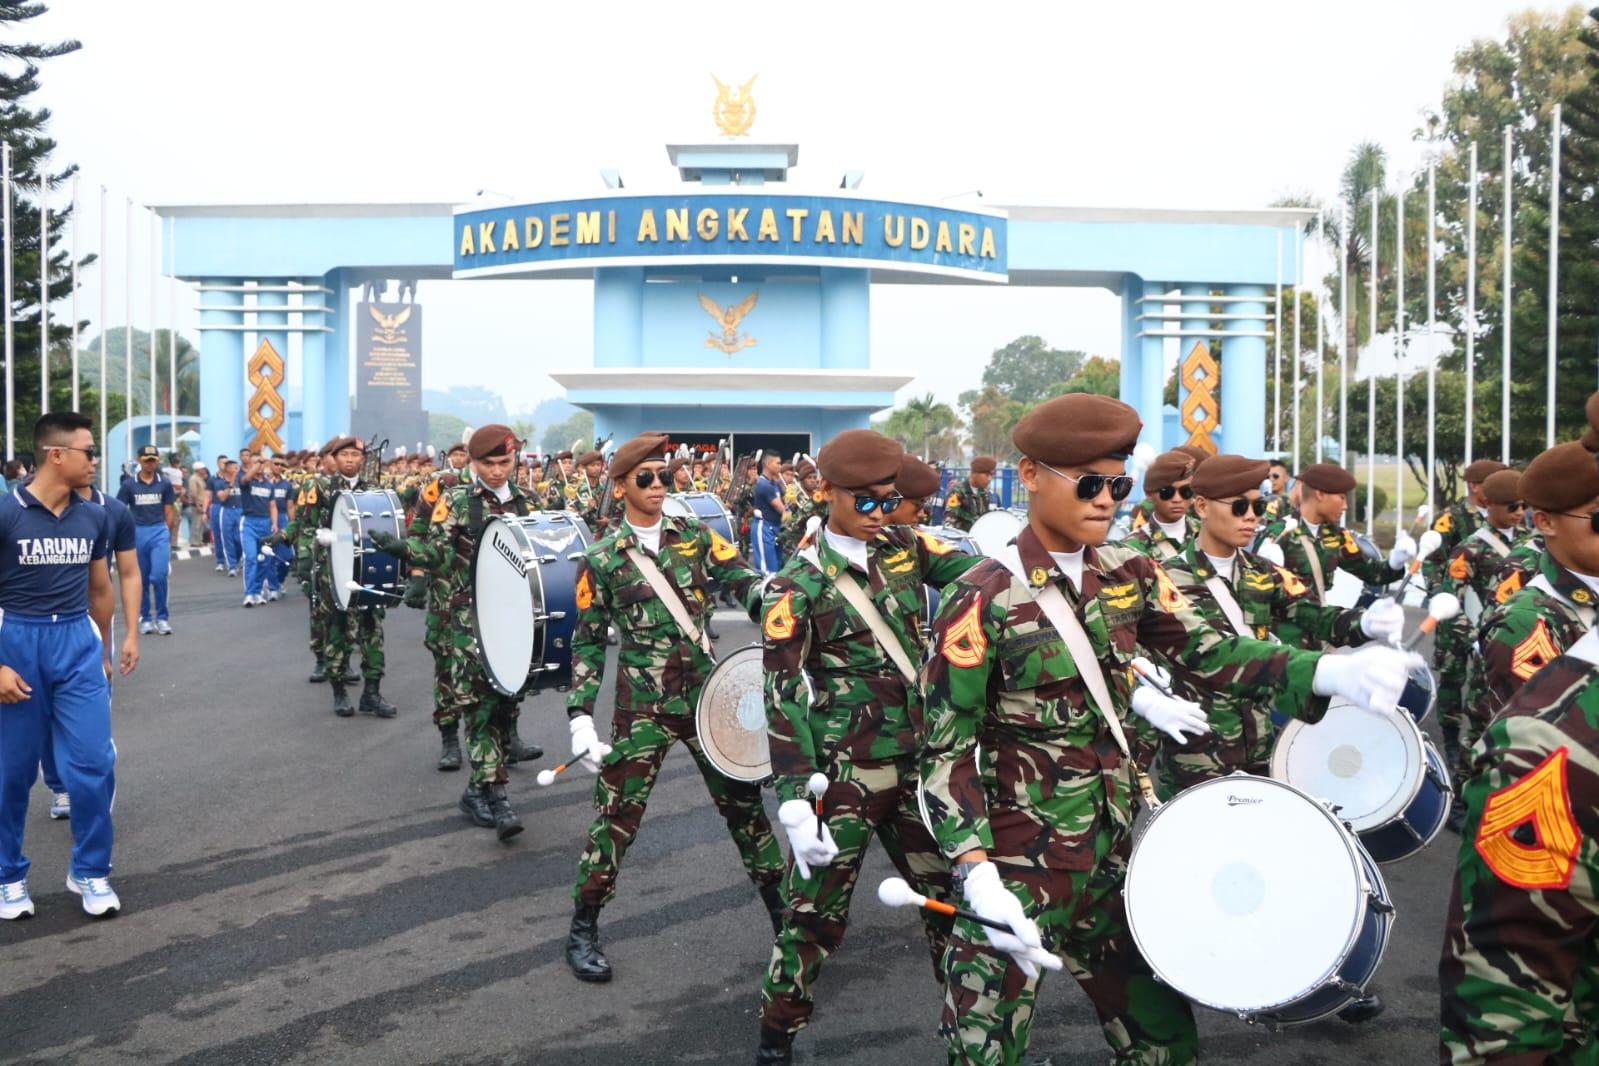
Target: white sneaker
<point>146,628</point>
<point>249,601</point>
<point>98,898</point>
<point>164,628</point>
<point>15,902</point>
<point>60,805</point>
<point>272,595</point>
<point>220,568</point>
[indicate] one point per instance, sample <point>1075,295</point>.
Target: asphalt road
<point>300,888</point>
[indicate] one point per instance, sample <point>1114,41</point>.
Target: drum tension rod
<point>1269,1022</point>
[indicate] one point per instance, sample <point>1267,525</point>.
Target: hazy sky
<point>1148,104</point>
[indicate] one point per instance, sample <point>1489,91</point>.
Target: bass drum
<point>362,575</point>
<point>524,598</point>
<point>1249,897</point>
<point>730,717</point>
<point>705,506</point>
<point>994,531</point>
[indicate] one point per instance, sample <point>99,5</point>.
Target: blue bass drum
<point>524,598</point>
<point>362,575</point>
<point>706,506</point>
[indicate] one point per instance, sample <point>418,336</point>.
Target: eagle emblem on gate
<point>387,330</point>
<point>728,339</point>
<point>734,110</point>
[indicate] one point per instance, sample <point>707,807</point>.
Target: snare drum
<point>730,717</point>
<point>353,560</point>
<point>705,506</point>
<point>1247,896</point>
<point>1378,772</point>
<point>1420,695</point>
<point>524,598</point>
<point>994,531</point>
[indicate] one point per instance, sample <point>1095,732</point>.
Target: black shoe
<point>772,896</point>
<point>450,753</point>
<point>372,701</point>
<point>1457,818</point>
<point>475,805</point>
<point>341,701</point>
<point>516,751</point>
<point>506,823</point>
<point>319,674</point>
<point>710,630</point>
<point>776,1046</point>
<point>1363,1009</point>
<point>583,952</point>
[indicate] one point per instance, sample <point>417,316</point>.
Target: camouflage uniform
<point>838,705</point>
<point>964,504</point>
<point>1467,574</point>
<point>446,549</point>
<point>1016,761</point>
<point>1455,525</point>
<point>1242,732</point>
<point>342,631</point>
<point>800,510</point>
<point>436,629</point>
<point>1519,975</point>
<point>659,676</point>
<point>1151,541</point>
<point>301,534</point>
<point>1335,549</point>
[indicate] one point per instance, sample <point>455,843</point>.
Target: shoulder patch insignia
<point>1171,597</point>
<point>1508,587</point>
<point>310,496</point>
<point>1117,597</point>
<point>1259,582</point>
<point>780,620</point>
<point>585,590</point>
<point>933,545</point>
<point>1539,799</point>
<point>1458,568</point>
<point>1535,651</point>
<point>441,511</point>
<point>964,643</point>
<point>1350,547</point>
<point>1291,582</point>
<point>1140,519</point>
<point>1445,523</point>
<point>953,501</point>
<point>430,495</point>
<point>722,550</point>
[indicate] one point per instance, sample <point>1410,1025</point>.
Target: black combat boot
<point>772,896</point>
<point>776,1046</point>
<point>372,701</point>
<point>506,823</point>
<point>583,952</point>
<point>1363,1009</point>
<point>516,751</point>
<point>341,700</point>
<point>450,753</point>
<point>475,805</point>
<point>710,629</point>
<point>351,675</point>
<point>320,673</point>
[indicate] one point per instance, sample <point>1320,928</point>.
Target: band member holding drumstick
<point>917,483</point>
<point>1168,489</point>
<point>650,580</point>
<point>968,499</point>
<point>301,533</point>
<point>842,641</point>
<point>1025,763</point>
<point>808,500</point>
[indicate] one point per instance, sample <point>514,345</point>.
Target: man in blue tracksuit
<point>151,498</point>
<point>53,686</point>
<point>217,486</point>
<point>768,516</point>
<point>260,513</point>
<point>283,492</point>
<point>231,516</point>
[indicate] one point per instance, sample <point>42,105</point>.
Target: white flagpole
<point>1399,357</point>
<point>155,271</point>
<point>172,335</point>
<point>1471,297</point>
<point>105,316</point>
<point>1371,378</point>
<point>1504,325</point>
<point>11,391</point>
<point>1432,331</point>
<point>1343,336</point>
<point>1321,254</point>
<point>1299,286</point>
<point>127,324</point>
<point>1554,274</point>
<point>44,287</point>
<point>75,369</point>
<point>1277,354</point>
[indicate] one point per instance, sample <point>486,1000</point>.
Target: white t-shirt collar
<point>853,549</point>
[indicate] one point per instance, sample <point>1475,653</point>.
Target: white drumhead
<point>504,604</point>
<point>1367,764</point>
<point>730,718</point>
<point>996,529</point>
<point>342,552</point>
<point>676,506</point>
<point>1244,894</point>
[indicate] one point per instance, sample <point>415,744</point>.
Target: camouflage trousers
<point>988,1001</point>
<point>347,630</point>
<point>640,740</point>
<point>485,713</point>
<point>319,630</point>
<point>865,800</point>
<point>1239,740</point>
<point>1450,656</point>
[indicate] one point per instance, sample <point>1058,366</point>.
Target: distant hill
<point>472,404</point>
<point>548,412</point>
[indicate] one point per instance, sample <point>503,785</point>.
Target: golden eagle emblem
<point>388,328</point>
<point>729,340</point>
<point>734,110</point>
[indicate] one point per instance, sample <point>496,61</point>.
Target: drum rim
<point>1296,726</point>
<point>1447,784</point>
<point>349,602</point>
<point>699,712</point>
<point>524,544</point>
<point>1351,843</point>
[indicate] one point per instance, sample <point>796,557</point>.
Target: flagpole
<point>1371,378</point>
<point>1432,331</point>
<point>1321,248</point>
<point>44,287</point>
<point>75,368</point>
<point>105,315</point>
<point>155,270</point>
<point>127,325</point>
<point>172,335</point>
<point>1399,357</point>
<point>11,392</point>
<point>1504,325</point>
<point>1554,274</point>
<point>1471,297</point>
<point>1277,354</point>
<point>1299,285</point>
<point>1343,336</point>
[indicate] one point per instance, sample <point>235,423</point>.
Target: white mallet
<point>818,788</point>
<point>1423,513</point>
<point>547,777</point>
<point>895,892</point>
<point>1441,608</point>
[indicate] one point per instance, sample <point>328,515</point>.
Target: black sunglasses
<point>1089,486</point>
<point>1593,519</point>
<point>645,478</point>
<point>868,504</point>
<point>1186,492</point>
<point>1242,507</point>
<point>1519,505</point>
<point>91,452</point>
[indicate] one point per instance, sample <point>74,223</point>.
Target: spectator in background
<point>197,505</point>
<point>173,472</point>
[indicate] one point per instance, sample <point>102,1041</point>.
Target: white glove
<point>809,849</point>
<point>1372,677</point>
<point>988,898</point>
<point>1403,551</point>
<point>1169,714</point>
<point>1384,621</point>
<point>586,743</point>
<point>1290,524</point>
<point>1272,552</point>
<point>324,537</point>
<point>1148,668</point>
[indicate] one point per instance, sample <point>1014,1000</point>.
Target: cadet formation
<point>994,718</point>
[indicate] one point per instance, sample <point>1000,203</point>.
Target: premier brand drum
<point>706,506</point>
<point>362,575</point>
<point>731,717</point>
<point>994,531</point>
<point>524,598</point>
<point>1248,896</point>
<point>1379,773</point>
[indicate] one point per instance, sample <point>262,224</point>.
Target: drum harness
<point>670,599</point>
<point>1471,601</point>
<point>856,597</point>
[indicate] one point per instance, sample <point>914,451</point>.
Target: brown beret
<point>490,441</point>
<point>805,469</point>
<point>590,456</point>
<point>1502,486</point>
<point>1193,451</point>
<point>1590,439</point>
<point>857,458</point>
<point>458,446</point>
<point>338,444</point>
<point>1168,469</point>
<point>1478,472</point>
<point>562,455</point>
<point>1561,479</point>
<point>1224,476</point>
<point>675,465</point>
<point>916,479</point>
<point>1077,428</point>
<point>645,448</point>
<point>1326,477</point>
<point>984,464</point>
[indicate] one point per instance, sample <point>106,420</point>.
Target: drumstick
<point>1441,608</point>
<point>547,777</point>
<point>1151,680</point>
<point>818,786</point>
<point>894,892</point>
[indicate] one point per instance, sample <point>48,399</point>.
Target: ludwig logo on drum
<point>511,555</point>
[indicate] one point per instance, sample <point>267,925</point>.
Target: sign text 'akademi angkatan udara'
<point>730,227</point>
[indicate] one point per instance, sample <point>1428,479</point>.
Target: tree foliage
<point>926,428</point>
<point>559,437</point>
<point>1026,369</point>
<point>1097,375</point>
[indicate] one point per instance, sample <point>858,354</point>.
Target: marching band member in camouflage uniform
<point>1168,489</point>
<point>660,672</point>
<point>968,499</point>
<point>301,533</point>
<point>1463,518</point>
<point>840,703</point>
<point>807,501</point>
<point>917,483</point>
<point>1027,785</point>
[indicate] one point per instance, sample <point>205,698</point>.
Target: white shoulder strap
<point>670,600</point>
<point>1314,556</point>
<point>1490,538</point>
<point>1586,614</point>
<point>1228,603</point>
<point>858,598</point>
